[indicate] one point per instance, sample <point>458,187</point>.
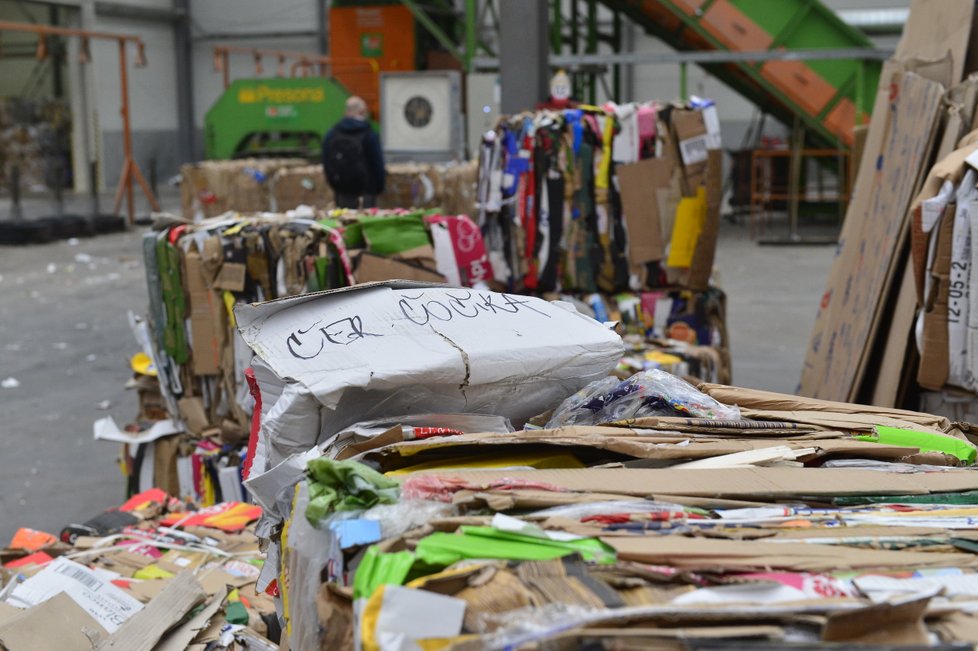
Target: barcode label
<point>693,150</point>
<point>83,577</point>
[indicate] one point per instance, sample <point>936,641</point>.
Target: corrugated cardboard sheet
<point>897,148</point>
<point>866,278</point>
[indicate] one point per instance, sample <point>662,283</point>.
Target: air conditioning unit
<point>421,115</point>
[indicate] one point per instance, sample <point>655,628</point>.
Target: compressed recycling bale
<point>292,187</point>
<point>411,185</point>
<point>212,188</point>
<point>460,183</point>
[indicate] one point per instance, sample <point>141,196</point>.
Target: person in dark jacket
<point>353,159</point>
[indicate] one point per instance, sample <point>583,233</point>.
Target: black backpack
<point>344,162</point>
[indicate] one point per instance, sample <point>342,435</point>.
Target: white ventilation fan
<point>421,115</point>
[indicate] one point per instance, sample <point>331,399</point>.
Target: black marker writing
<point>341,333</point>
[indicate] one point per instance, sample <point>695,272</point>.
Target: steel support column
<point>183,48</point>
<point>524,69</point>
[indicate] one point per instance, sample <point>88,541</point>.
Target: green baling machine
<point>273,117</point>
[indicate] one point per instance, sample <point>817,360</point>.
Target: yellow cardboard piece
<point>690,215</point>
<point>229,302</point>
<point>152,572</point>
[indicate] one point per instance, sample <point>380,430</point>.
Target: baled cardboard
<point>292,187</point>
<point>386,349</point>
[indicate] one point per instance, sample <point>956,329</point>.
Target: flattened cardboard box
<point>207,317</point>
<point>639,183</point>
<point>750,483</point>
<point>375,268</point>
<point>680,551</point>
<point>899,141</point>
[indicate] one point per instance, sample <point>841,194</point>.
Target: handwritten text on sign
<point>420,309</point>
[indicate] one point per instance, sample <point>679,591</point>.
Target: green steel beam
<point>471,13</point>
<point>443,39</point>
<point>556,26</point>
<point>841,93</point>
<point>691,23</point>
<point>794,23</point>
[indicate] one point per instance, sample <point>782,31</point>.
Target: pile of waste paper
<point>648,513</point>
<point>196,402</point>
<point>150,574</point>
<point>463,472</point>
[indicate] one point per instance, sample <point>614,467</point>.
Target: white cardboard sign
<point>450,349</point>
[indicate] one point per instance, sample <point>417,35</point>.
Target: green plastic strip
<point>486,542</point>
<point>377,569</point>
<point>925,441</point>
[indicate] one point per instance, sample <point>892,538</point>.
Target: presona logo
<point>265,93</point>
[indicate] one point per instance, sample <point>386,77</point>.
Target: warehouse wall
<point>152,97</point>
<point>212,17</point>
<point>153,90</point>
<point>17,71</point>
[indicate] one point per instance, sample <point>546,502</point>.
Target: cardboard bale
<point>459,185</point>
<point>305,185</point>
<point>211,188</point>
<point>412,185</point>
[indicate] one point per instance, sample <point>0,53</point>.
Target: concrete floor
<point>64,336</point>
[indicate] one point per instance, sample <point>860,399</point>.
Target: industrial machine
<point>273,117</point>
<point>421,115</point>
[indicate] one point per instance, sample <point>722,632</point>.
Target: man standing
<point>353,160</point>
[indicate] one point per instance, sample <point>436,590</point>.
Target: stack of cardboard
<point>304,185</point>
<point>212,188</point>
<point>412,497</point>
<point>195,404</point>
<point>148,575</point>
<point>892,324</point>
<point>459,184</point>
<point>411,185</point>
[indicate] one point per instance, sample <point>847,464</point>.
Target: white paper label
<point>693,150</point>
<point>108,605</point>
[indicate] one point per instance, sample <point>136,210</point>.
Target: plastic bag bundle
<point>645,394</point>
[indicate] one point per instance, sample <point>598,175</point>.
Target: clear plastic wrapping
<point>647,393</point>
